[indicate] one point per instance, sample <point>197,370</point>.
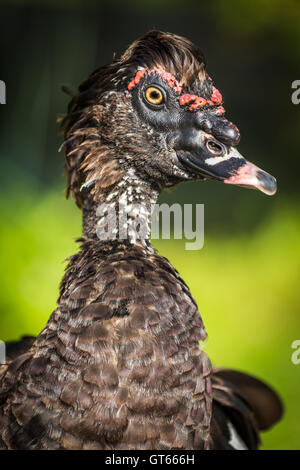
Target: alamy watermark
<point>2,353</point>
<point>2,92</point>
<point>136,222</point>
<point>296,94</point>
<point>295,358</point>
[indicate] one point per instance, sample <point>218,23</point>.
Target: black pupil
<point>154,95</point>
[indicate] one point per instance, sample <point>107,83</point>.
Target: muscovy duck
<point>119,365</point>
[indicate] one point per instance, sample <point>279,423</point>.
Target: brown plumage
<point>118,365</point>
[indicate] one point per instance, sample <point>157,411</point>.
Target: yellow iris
<point>154,95</point>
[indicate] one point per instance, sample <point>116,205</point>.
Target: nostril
<point>214,147</point>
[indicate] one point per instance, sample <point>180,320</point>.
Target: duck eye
<point>154,95</point>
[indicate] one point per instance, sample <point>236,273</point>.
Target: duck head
<point>157,114</point>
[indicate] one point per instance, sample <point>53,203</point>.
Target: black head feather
<point>156,49</point>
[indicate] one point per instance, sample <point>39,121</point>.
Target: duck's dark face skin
<point>195,129</point>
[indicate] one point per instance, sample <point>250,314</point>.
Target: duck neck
<point>122,212</point>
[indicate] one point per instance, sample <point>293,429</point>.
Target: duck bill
<point>249,175</point>
<point>211,153</point>
<point>230,168</point>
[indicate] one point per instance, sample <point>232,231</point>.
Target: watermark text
<point>2,92</point>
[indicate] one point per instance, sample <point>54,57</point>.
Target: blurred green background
<point>246,278</point>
